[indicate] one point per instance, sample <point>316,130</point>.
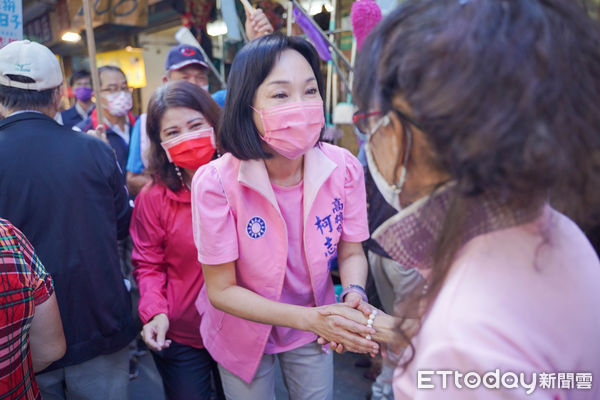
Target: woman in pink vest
<point>180,124</point>
<point>270,219</point>
<point>482,116</point>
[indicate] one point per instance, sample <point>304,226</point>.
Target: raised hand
<point>257,24</point>
<point>99,132</point>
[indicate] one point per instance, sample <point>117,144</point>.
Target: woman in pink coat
<point>271,217</point>
<point>181,122</point>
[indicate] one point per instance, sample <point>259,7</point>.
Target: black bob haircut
<point>251,66</point>
<point>82,73</point>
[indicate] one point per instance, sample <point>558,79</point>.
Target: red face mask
<point>191,150</point>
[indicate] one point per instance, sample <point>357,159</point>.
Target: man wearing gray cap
<point>65,191</point>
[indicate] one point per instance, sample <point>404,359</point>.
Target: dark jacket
<point>378,211</point>
<point>71,117</point>
<point>64,191</point>
<point>120,147</point>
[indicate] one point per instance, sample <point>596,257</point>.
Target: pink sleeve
<point>147,256</point>
<point>355,227</point>
<point>215,231</point>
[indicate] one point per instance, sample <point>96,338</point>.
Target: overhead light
<point>216,28</point>
<point>71,37</point>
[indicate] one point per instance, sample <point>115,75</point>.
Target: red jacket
<point>165,258</point>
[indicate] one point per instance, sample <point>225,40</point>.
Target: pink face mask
<point>292,129</point>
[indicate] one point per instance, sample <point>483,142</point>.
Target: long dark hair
<point>174,94</point>
<point>506,94</point>
<point>250,68</point>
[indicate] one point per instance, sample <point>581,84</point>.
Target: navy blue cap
<point>183,55</point>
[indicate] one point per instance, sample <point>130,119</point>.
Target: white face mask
<point>119,103</point>
<point>389,193</point>
<point>205,88</point>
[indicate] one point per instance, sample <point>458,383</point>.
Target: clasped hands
<point>344,326</point>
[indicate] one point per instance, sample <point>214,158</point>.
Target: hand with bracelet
<point>345,316</point>
<point>384,325</point>
<point>352,297</point>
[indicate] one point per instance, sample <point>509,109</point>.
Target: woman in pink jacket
<point>483,116</point>
<point>270,218</point>
<point>181,122</point>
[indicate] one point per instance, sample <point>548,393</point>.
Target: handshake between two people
<point>345,327</point>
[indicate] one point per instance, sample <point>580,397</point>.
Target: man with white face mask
<point>116,99</point>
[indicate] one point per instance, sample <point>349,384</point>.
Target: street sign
<point>11,21</point>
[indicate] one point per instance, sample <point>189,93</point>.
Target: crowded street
<point>299,199</point>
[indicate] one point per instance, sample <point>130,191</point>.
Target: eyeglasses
<point>367,124</point>
<point>115,89</point>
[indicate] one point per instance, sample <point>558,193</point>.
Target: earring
<point>179,175</point>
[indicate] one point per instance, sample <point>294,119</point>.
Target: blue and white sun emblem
<point>256,227</point>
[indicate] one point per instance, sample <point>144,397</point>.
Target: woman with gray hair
<point>487,116</point>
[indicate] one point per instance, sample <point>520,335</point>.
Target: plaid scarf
<point>410,236</point>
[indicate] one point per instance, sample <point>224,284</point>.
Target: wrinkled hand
<point>99,132</point>
<point>347,329</point>
<point>387,327</point>
<point>367,309</point>
<point>351,300</point>
<point>350,310</point>
<point>257,24</point>
<point>155,331</point>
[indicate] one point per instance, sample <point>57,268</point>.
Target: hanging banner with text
<point>11,21</point>
<point>117,12</point>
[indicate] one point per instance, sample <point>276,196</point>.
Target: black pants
<point>188,373</point>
